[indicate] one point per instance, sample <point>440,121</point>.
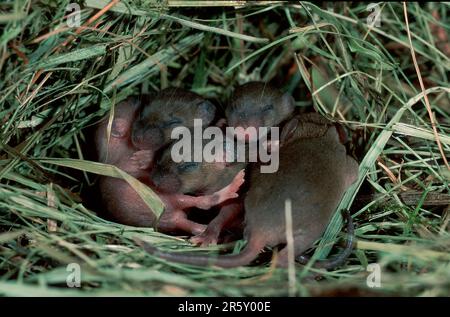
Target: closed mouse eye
<point>267,108</point>
<point>172,122</point>
<point>188,167</point>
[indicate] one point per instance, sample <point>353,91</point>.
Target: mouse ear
<point>288,103</point>
<point>205,111</point>
<point>289,129</point>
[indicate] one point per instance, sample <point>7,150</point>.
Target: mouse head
<point>257,104</point>
<point>179,177</point>
<point>192,177</point>
<point>171,108</point>
<point>182,177</point>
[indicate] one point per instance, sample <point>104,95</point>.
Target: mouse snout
<point>245,134</point>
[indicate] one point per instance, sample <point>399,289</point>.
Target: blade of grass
<point>148,196</point>
<point>425,96</point>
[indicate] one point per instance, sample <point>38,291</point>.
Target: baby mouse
<point>313,173</point>
<point>171,108</point>
<point>257,104</point>
<point>122,202</point>
<point>199,178</point>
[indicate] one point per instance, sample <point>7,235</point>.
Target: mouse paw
<point>195,228</point>
<point>143,159</point>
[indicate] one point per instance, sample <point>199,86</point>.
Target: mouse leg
<point>208,201</point>
<point>123,203</point>
<point>226,193</point>
<point>227,214</point>
<point>175,217</point>
<point>174,220</point>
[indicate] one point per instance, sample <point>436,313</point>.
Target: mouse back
<point>312,174</point>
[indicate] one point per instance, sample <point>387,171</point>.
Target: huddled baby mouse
<point>255,104</point>
<point>200,178</point>
<point>177,202</point>
<point>314,173</point>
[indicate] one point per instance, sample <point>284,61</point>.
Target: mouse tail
<point>249,253</point>
<point>340,259</point>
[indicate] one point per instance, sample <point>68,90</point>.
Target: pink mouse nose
<point>246,134</point>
